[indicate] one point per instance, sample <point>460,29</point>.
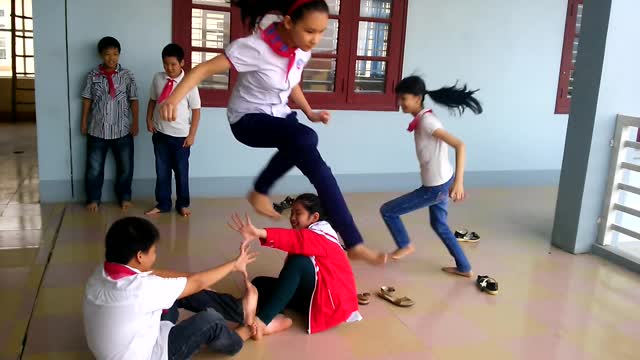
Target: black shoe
<point>487,284</point>
<point>287,203</point>
<point>465,235</point>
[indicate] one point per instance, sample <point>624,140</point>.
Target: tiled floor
<point>27,231</point>
<point>552,305</point>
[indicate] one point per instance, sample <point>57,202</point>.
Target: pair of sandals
<point>386,293</point>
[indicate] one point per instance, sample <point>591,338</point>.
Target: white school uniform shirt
<point>433,153</point>
<point>263,86</point>
<point>122,317</point>
<point>180,127</point>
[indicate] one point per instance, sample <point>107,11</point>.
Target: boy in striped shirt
<point>110,121</point>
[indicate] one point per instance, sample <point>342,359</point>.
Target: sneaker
<point>487,284</point>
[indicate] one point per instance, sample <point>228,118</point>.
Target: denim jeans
<point>297,146</point>
<point>171,156</point>
<point>97,149</point>
<point>207,327</point>
<point>436,198</point>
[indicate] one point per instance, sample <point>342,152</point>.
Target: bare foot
<point>92,207</point>
<point>153,211</point>
<point>402,252</point>
<point>263,205</point>
<point>126,205</point>
<point>185,212</point>
<point>454,271</point>
<point>250,303</point>
<point>361,252</point>
<point>278,324</point>
<point>245,332</point>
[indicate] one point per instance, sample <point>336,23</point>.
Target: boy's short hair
<point>127,236</point>
<point>108,42</point>
<point>173,50</point>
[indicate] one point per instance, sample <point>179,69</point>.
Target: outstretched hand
<point>245,258</point>
<point>246,228</point>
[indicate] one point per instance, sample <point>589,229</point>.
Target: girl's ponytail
<point>453,97</point>
<point>457,98</point>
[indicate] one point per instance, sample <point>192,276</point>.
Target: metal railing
<point>617,188</point>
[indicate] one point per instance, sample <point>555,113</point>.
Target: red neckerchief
<point>109,76</point>
<point>414,123</point>
<point>272,38</point>
<point>117,271</point>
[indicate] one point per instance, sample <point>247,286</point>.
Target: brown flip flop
<point>364,298</point>
<point>388,293</point>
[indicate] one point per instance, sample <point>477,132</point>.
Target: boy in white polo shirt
<point>124,301</point>
<point>172,140</point>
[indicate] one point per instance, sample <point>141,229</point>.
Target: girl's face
<point>409,103</point>
<point>307,32</point>
<point>300,218</point>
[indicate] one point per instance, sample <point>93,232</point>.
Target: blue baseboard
<point>60,190</point>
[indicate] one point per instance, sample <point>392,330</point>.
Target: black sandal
<point>487,284</point>
<point>465,235</point>
<point>287,203</point>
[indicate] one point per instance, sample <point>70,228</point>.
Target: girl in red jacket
<point>316,278</point>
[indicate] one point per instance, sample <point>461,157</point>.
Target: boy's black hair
<point>173,50</point>
<point>313,204</point>
<point>127,236</point>
<point>252,11</point>
<point>453,97</point>
<point>108,42</point>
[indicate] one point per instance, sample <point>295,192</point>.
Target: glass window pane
<point>370,76</point>
<point>372,38</point>
<point>224,3</point>
<point>329,41</point>
<point>27,8</point>
<point>375,8</point>
<point>18,7</point>
<point>218,81</point>
<point>319,75</point>
<point>30,66</point>
<point>29,47</point>
<point>210,29</point>
<point>334,7</point>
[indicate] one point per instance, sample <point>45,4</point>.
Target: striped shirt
<point>110,118</point>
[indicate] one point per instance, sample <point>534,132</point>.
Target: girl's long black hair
<point>454,97</point>
<point>252,11</point>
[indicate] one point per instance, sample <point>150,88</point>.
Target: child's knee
<point>306,138</point>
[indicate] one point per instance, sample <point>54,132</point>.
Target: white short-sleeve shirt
<point>433,153</point>
<point>122,317</point>
<point>180,127</point>
<point>263,85</point>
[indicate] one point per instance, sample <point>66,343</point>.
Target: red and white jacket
<point>335,298</point>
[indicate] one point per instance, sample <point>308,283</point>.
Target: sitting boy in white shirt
<point>125,302</point>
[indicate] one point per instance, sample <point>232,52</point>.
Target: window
<point>569,52</point>
<point>355,66</point>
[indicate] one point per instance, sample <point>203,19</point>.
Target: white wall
<point>508,49</point>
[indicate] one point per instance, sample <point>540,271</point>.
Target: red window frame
<point>344,96</point>
<point>563,101</point>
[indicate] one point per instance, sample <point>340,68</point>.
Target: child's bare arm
<point>86,107</point>
<point>218,64</point>
<point>151,106</point>
<point>135,112</point>
<point>193,129</point>
<point>457,190</point>
<point>171,273</point>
